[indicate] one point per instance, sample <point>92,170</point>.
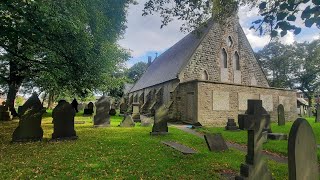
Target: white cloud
<point>256,41</point>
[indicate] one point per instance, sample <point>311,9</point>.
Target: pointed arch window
<point>229,41</point>
<point>236,61</point>
<point>224,58</point>
<point>204,75</point>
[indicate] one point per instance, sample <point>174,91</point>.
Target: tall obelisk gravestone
<point>255,167</point>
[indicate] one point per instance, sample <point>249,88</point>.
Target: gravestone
<point>123,108</point>
<point>244,123</point>
<point>146,121</point>
<point>215,142</point>
<point>112,111</point>
<point>63,121</point>
<point>88,111</point>
<point>135,112</point>
<point>302,152</point>
<point>302,113</point>
<point>277,136</point>
<point>179,147</point>
<point>127,121</point>
<point>81,107</point>
<point>231,125</point>
<point>102,117</point>
<point>255,167</point>
<point>309,112</point>
<point>29,128</point>
<point>75,104</point>
<point>5,114</point>
<point>160,126</point>
<point>281,116</point>
<point>317,113</point>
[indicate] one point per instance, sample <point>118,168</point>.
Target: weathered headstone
<point>317,113</point>
<point>127,121</point>
<point>112,111</point>
<point>160,126</point>
<point>255,167</point>
<point>281,116</point>
<point>102,117</point>
<point>302,152</point>
<point>215,142</point>
<point>146,121</point>
<point>277,136</point>
<point>123,108</point>
<point>231,125</point>
<point>75,104</point>
<point>88,111</point>
<point>136,112</point>
<point>180,147</point>
<point>302,113</point>
<point>5,114</point>
<point>309,111</point>
<point>81,107</point>
<point>63,121</point>
<point>29,128</point>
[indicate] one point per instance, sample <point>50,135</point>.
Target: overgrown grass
<point>115,153</point>
<point>276,146</point>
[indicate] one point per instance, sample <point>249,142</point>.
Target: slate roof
<point>169,64</point>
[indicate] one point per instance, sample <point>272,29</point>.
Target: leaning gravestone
<point>63,121</point>
<point>75,104</point>
<point>88,111</point>
<point>127,121</point>
<point>102,117</point>
<point>112,111</point>
<point>5,114</point>
<point>317,113</point>
<point>215,142</point>
<point>231,125</point>
<point>160,126</point>
<point>29,128</point>
<point>281,116</point>
<point>255,167</point>
<point>302,152</point>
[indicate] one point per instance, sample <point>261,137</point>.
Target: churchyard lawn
<point>279,147</point>
<point>116,153</point>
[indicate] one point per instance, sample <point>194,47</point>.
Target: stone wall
<point>219,101</point>
<point>208,57</point>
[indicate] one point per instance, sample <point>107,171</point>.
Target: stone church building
<point>208,77</point>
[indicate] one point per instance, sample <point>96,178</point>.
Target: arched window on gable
<point>204,75</point>
<point>236,61</point>
<point>224,59</point>
<point>229,41</point>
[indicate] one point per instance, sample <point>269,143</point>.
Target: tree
<point>276,14</point>
<point>60,44</point>
<point>294,66</point>
<point>136,71</point>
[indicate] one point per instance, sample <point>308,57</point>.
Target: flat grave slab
<point>277,136</point>
<point>180,147</point>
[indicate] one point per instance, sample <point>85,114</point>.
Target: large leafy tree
<point>60,44</point>
<point>136,71</point>
<point>294,66</point>
<point>275,14</point>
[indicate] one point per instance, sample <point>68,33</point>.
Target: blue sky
<point>145,38</point>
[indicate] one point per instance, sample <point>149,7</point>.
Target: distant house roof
<point>169,64</point>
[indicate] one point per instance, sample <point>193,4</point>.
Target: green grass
<point>115,153</point>
<point>275,146</point>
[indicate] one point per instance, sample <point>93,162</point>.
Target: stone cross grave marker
<point>281,116</point>
<point>317,113</point>
<point>255,167</point>
<point>215,142</point>
<point>127,121</point>
<point>29,128</point>
<point>302,152</point>
<point>102,117</point>
<point>160,126</point>
<point>63,121</point>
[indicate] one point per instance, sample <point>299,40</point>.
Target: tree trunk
<point>11,96</point>
<point>44,98</point>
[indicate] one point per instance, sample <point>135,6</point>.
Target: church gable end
<point>226,56</point>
